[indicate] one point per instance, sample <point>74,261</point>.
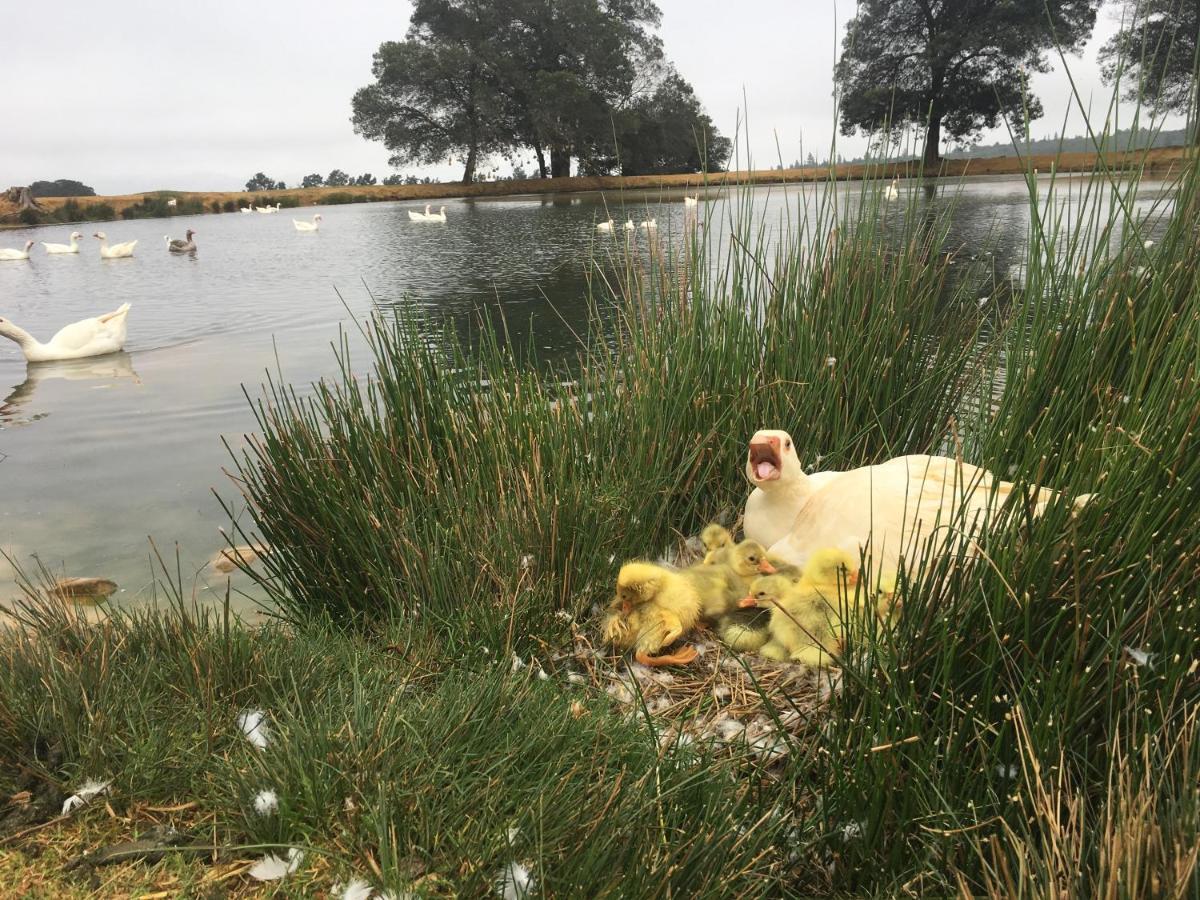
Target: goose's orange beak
<point>766,568</point>
<point>747,602</point>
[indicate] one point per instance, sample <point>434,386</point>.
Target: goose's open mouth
<point>764,461</point>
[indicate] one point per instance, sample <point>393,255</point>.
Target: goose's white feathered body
<point>13,253</point>
<point>89,337</point>
<point>648,224</point>
<point>419,216</point>
<point>690,201</point>
<point>628,226</point>
<point>605,226</point>
<point>116,251</point>
<point>439,216</point>
<point>314,225</point>
<point>72,247</point>
<point>892,191</point>
<point>889,510</point>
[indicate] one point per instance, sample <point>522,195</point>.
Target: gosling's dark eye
<point>787,445</point>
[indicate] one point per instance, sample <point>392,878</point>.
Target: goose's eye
<point>787,445</point>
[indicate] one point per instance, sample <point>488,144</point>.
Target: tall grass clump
<point>1038,711</point>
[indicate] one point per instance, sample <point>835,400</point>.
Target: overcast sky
<point>142,96</point>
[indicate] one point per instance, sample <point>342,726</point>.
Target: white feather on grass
<point>273,868</point>
<point>253,723</point>
<point>84,793</point>
<point>355,889</point>
<point>515,882</point>
<point>266,802</point>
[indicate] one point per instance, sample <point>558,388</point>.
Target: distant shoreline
<point>1157,161</point>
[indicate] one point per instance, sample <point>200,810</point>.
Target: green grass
<point>430,513</point>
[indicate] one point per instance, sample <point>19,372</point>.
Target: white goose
<point>648,224</point>
<point>116,251</point>
<point>72,247</point>
<point>419,216</point>
<point>14,253</point>
<point>247,209</point>
<point>439,216</point>
<point>628,226</point>
<point>314,225</point>
<point>89,337</point>
<point>892,192</point>
<point>171,202</point>
<point>605,226</point>
<point>691,201</point>
<point>177,246</point>
<point>890,509</point>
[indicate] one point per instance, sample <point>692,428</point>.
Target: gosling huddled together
<point>754,602</point>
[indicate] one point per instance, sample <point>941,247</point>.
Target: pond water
<point>100,455</point>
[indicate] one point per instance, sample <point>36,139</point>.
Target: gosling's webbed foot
<point>680,657</point>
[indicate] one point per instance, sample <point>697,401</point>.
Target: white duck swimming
<point>314,225</point>
<point>605,226</point>
<point>14,253</point>
<point>89,337</point>
<point>185,246</point>
<point>890,509</point>
<point>72,247</point>
<point>116,251</point>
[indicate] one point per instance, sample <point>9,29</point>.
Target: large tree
<point>1155,52</point>
<point>952,65</point>
<point>569,69</point>
<point>668,132</point>
<point>433,95</point>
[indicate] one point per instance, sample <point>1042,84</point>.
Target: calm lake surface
<point>99,455</point>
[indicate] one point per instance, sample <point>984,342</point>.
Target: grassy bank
<point>1027,729</point>
<point>1160,161</point>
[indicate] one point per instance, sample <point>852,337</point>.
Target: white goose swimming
<point>648,224</point>
<point>605,226</point>
<point>419,216</point>
<point>892,192</point>
<point>116,251</point>
<point>890,509</point>
<point>628,226</point>
<point>177,246</point>
<point>14,253</point>
<point>72,247</point>
<point>314,225</point>
<point>691,201</point>
<point>247,209</point>
<point>89,337</point>
<point>439,216</point>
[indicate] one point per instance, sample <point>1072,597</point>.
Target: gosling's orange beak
<point>747,602</point>
<point>766,568</point>
<point>626,607</point>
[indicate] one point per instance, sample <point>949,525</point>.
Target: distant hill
<point>64,187</point>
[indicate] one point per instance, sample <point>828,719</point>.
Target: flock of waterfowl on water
<point>106,334</point>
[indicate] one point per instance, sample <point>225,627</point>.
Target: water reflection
<point>98,368</point>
